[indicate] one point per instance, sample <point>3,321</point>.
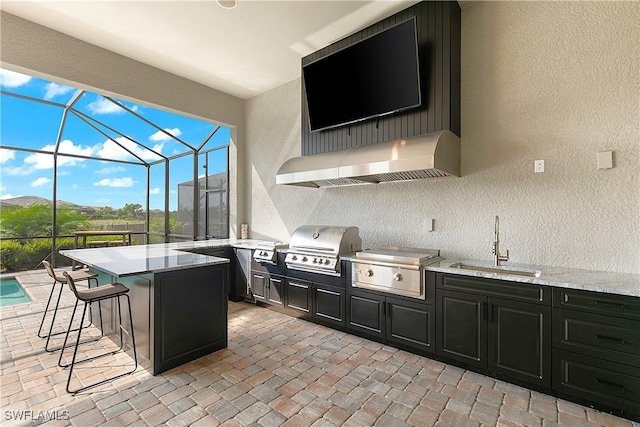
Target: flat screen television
<point>374,77</point>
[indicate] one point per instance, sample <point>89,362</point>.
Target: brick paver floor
<point>277,370</point>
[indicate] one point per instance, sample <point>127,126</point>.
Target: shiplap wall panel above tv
<point>438,31</point>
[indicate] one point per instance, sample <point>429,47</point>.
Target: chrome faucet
<point>497,258</point>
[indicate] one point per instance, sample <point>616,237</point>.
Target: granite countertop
<point>573,278</point>
<point>142,259</point>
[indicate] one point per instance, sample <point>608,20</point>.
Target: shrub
<point>26,255</point>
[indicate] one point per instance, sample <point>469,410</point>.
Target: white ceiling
<point>243,51</point>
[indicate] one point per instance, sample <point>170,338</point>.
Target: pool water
<point>12,293</point>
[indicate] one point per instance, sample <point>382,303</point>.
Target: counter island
<point>179,298</point>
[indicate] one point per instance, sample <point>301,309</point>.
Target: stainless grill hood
<point>426,156</point>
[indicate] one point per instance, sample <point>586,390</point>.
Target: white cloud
<point>41,161</point>
<point>154,191</point>
<point>115,182</point>
<point>39,182</point>
<point>7,196</point>
<point>55,89</point>
<point>13,79</point>
<point>38,161</point>
<point>111,150</point>
<point>161,136</point>
<point>6,155</point>
<point>110,169</point>
<point>104,106</point>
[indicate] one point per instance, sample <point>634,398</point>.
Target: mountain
<point>25,201</point>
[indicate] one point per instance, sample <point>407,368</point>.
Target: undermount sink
<point>498,269</point>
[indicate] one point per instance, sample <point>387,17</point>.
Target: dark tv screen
<point>377,76</point>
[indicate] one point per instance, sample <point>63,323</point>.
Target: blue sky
<point>98,182</point>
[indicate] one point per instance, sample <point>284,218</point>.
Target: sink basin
<point>498,269</point>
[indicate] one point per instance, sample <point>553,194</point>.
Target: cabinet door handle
<point>389,309</point>
<point>611,304</point>
<point>607,338</point>
<point>491,316</point>
<point>384,311</point>
<point>610,384</point>
<point>484,311</point>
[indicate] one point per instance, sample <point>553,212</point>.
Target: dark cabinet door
<point>411,324</point>
<point>366,313</point>
<point>275,292</point>
<point>520,340</point>
<point>329,304</point>
<point>462,328</point>
<point>259,286</point>
<point>299,296</point>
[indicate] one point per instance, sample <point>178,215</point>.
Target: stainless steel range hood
<point>427,156</point>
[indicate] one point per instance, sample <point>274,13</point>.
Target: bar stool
<point>103,292</point>
<point>78,275</point>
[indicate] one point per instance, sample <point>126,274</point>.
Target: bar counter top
<point>142,259</point>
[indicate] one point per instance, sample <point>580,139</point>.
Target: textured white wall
<point>557,81</point>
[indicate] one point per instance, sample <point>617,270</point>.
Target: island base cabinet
<point>612,385</point>
<point>189,316</point>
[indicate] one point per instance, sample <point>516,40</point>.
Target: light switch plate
<point>605,159</point>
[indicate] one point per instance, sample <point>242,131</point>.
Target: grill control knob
<point>397,277</point>
<point>326,261</point>
<point>368,273</point>
<point>304,259</point>
<point>315,260</point>
<point>294,258</point>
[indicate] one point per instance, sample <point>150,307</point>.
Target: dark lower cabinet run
<point>394,320</point>
<point>411,324</point>
<point>316,301</point>
<point>519,336</point>
<point>507,337</point>
<point>610,384</point>
<point>462,332</point>
<point>596,354</point>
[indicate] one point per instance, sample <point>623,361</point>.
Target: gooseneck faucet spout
<point>497,258</point>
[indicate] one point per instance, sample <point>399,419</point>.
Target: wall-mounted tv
<point>376,76</point>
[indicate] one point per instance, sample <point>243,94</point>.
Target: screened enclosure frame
<point>68,110</point>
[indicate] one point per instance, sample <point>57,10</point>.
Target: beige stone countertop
<point>573,278</point>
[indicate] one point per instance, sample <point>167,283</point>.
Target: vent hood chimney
<point>427,156</point>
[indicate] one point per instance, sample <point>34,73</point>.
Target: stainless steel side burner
<point>394,270</point>
<point>268,252</point>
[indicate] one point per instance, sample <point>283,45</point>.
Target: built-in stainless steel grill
<point>394,270</point>
<point>318,248</point>
<point>268,252</point>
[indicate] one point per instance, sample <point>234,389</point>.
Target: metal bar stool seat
<point>101,293</point>
<point>77,275</point>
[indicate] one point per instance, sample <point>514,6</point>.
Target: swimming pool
<point>11,292</point>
